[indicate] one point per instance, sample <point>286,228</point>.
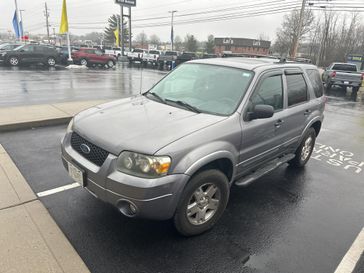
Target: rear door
<point>27,54</point>
<point>262,138</point>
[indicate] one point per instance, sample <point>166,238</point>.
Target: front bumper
<point>153,198</point>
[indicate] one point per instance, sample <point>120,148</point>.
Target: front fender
<point>199,157</point>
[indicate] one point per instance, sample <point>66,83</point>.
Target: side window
<point>269,92</point>
<point>297,89</point>
<point>316,81</point>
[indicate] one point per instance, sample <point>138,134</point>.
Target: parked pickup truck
<point>151,57</point>
<point>115,51</point>
<point>136,55</point>
<point>167,58</point>
<point>343,75</point>
<point>185,57</point>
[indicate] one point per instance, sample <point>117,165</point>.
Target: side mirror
<point>261,112</point>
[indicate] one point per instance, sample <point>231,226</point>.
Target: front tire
<point>110,64</point>
<point>51,61</point>
<point>202,203</point>
<point>14,61</point>
<point>304,151</point>
<point>84,62</point>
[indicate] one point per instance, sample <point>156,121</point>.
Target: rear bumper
<point>153,198</point>
<point>345,83</point>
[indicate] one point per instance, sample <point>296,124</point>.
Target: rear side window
<point>345,67</point>
<point>270,92</point>
<point>316,82</point>
<point>297,89</point>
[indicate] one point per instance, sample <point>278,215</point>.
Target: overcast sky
<point>83,12</point>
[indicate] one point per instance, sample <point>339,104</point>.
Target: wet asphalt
<point>287,221</point>
<point>40,84</point>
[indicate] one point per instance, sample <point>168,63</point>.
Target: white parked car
<point>151,57</point>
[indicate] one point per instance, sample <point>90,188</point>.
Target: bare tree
<point>154,39</point>
<point>142,39</point>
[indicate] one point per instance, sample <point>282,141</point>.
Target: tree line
<point>324,39</point>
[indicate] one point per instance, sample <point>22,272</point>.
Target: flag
<point>64,20</point>
<point>116,34</point>
<point>16,25</point>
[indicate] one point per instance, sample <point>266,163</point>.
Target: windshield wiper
<point>185,105</point>
<point>156,96</point>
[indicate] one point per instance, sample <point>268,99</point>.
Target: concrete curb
<point>30,239</point>
<point>34,123</point>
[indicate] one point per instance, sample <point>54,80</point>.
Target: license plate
<point>76,174</point>
<point>346,82</point>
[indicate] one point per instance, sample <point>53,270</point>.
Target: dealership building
<point>241,45</point>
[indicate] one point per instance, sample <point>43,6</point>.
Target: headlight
<point>143,165</point>
<point>70,126</point>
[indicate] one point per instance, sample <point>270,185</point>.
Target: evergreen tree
<point>109,30</point>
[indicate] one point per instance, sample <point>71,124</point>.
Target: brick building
<point>242,45</point>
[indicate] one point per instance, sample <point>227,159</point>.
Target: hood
<point>138,124</point>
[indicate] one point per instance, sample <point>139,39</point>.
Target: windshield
<point>19,47</point>
<point>208,88</point>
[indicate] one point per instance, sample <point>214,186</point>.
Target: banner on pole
<point>64,19</point>
<point>16,25</point>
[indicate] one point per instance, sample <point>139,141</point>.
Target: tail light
<point>333,74</point>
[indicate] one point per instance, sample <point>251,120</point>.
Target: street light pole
<point>172,38</point>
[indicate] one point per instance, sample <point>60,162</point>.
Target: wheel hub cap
<point>203,204</point>
<point>306,149</point>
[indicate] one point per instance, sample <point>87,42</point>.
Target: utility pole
<point>46,14</point>
<point>299,31</point>
<point>130,28</point>
<point>121,30</point>
<point>172,38</point>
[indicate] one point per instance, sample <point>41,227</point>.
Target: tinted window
<point>297,89</point>
<point>345,67</point>
<point>170,53</point>
<point>90,51</point>
<point>269,92</point>
<point>138,50</point>
<point>316,82</point>
<point>154,52</point>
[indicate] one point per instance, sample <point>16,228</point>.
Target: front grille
<point>96,155</point>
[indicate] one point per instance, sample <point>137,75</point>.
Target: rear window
<point>138,50</point>
<point>345,67</point>
<point>154,52</point>
<point>316,82</point>
<point>297,89</point>
<point>170,53</point>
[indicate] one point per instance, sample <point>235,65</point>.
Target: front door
<point>262,138</point>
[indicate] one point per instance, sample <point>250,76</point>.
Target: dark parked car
<point>92,56</point>
<point>30,54</point>
<point>167,59</point>
<point>208,56</point>
<point>63,53</point>
<point>185,57</point>
<point>8,46</point>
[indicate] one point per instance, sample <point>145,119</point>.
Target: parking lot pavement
<point>30,85</point>
<point>288,221</point>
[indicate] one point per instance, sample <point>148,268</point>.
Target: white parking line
<point>59,189</point>
<point>352,257</point>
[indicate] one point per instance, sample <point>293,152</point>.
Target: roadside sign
<point>131,3</point>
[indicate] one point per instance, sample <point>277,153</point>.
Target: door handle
<point>307,112</point>
<point>278,123</point>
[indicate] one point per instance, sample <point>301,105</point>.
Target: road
<point>29,85</point>
<point>288,221</point>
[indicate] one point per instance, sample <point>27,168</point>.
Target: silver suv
<point>174,151</point>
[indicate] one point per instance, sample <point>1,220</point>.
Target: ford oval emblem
<point>85,149</point>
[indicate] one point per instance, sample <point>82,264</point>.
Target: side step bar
<point>247,180</point>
